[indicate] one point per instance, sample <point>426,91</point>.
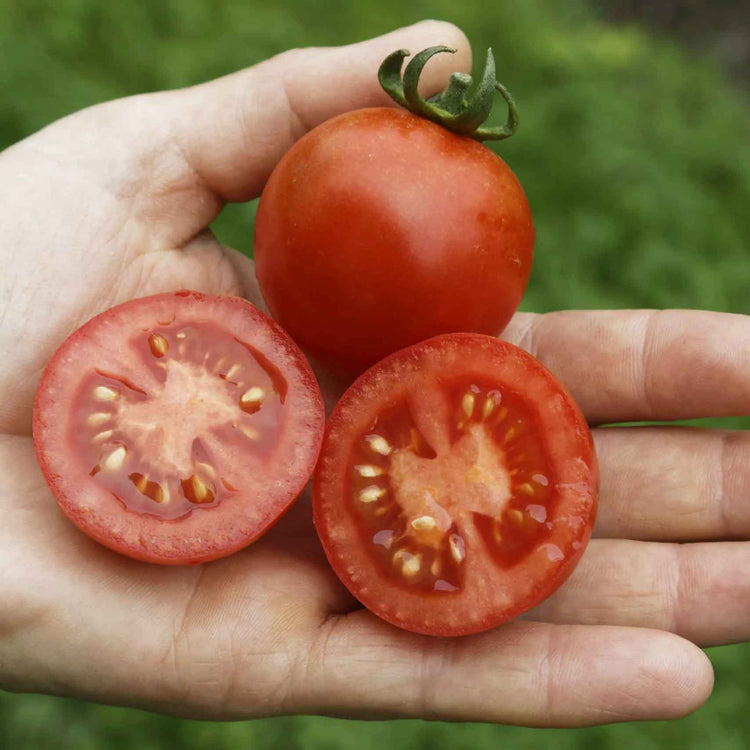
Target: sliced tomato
<point>457,485</point>
<point>177,428</point>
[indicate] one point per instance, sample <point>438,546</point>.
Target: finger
<point>698,591</point>
<point>634,365</point>
<point>673,484</point>
<point>522,673</point>
<point>79,620</point>
<point>234,130</point>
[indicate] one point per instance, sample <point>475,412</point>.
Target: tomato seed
<point>424,523</point>
<point>140,482</point>
<point>206,468</point>
<point>200,490</point>
<point>158,344</point>
<point>496,535</point>
<point>516,516</point>
<point>249,432</point>
<point>104,393</point>
<point>467,404</point>
<point>371,494</point>
<point>412,565</point>
<point>98,418</point>
<point>525,489</point>
<point>233,370</point>
<point>488,407</point>
<point>102,436</point>
<point>115,459</point>
<point>457,547</point>
<point>379,444</point>
<point>250,400</point>
<point>367,470</point>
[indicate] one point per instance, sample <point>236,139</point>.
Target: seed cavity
<point>105,393</point>
<point>368,470</point>
<point>158,345</point>
<point>98,418</point>
<point>457,548</point>
<point>371,494</point>
<point>424,523</point>
<point>115,460</point>
<point>379,444</point>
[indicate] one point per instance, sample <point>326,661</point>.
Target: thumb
<point>233,130</point>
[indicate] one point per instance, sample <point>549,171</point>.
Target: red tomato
<point>457,485</point>
<point>379,229</point>
<point>177,428</point>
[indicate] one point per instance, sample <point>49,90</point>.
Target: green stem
<point>458,108</point>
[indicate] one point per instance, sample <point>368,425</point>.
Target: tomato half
<point>457,485</point>
<point>177,428</point>
<point>379,229</point>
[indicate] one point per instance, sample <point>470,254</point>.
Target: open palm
<point>114,203</point>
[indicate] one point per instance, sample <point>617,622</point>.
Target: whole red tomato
<point>381,228</point>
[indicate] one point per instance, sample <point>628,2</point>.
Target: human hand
<point>114,203</point>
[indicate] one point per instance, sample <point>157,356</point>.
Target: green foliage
<point>636,160</point>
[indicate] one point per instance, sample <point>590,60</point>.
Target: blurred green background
<point>634,149</point>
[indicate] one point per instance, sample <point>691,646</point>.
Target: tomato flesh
<point>162,422</point>
<point>445,499</point>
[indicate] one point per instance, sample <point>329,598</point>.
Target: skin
<point>113,203</point>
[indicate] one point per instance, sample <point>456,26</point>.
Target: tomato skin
<point>491,596</point>
<point>203,534</point>
<point>379,229</point>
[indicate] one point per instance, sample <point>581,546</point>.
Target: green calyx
<point>458,108</point>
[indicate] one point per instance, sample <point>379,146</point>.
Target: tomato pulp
<point>379,229</point>
<point>177,428</point>
<point>457,485</point>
